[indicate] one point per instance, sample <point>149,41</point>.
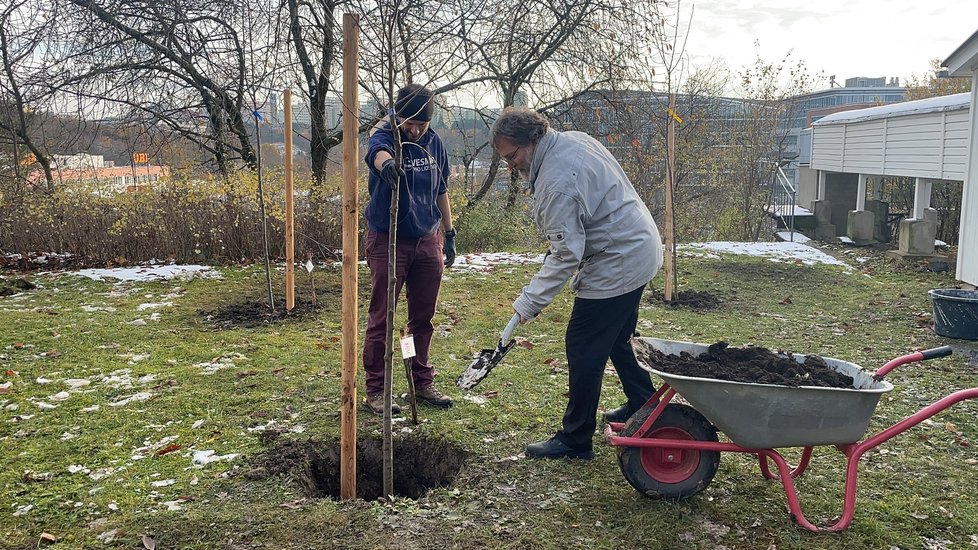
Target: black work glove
<point>449,248</point>
<point>390,173</point>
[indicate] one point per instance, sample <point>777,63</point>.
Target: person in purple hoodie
<point>423,252</point>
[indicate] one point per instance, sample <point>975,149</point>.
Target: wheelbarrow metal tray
<point>767,416</point>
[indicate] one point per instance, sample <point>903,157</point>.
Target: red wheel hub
<point>670,465</point>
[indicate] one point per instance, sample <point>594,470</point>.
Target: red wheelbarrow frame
<point>852,451</point>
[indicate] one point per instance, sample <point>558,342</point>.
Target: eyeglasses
<point>511,155</point>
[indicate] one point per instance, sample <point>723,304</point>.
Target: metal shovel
<point>488,358</point>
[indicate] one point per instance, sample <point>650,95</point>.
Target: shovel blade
<point>484,362</point>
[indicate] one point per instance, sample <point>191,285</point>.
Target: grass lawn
<point>131,415</point>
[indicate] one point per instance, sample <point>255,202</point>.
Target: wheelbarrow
<point>672,451</point>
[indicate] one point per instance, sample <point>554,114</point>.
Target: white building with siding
<point>964,62</point>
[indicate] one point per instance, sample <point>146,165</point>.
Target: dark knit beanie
<point>415,102</point>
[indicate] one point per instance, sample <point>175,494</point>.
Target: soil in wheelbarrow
<point>748,364</point>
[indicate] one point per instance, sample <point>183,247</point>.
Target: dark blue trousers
<point>599,330</point>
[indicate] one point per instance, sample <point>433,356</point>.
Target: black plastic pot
<point>955,313</point>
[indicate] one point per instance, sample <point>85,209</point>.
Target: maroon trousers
<point>419,266</point>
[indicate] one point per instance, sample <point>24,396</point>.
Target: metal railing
<point>783,200</point>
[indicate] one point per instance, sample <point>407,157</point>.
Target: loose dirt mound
<point>749,364</point>
<point>9,287</point>
<point>256,313</point>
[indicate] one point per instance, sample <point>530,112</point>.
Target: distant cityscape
<point>586,110</point>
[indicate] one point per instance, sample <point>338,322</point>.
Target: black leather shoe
<point>555,448</point>
<point>620,414</point>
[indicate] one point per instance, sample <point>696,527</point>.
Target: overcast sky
<point>845,38</point>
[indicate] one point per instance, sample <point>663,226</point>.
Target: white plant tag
<point>407,347</point>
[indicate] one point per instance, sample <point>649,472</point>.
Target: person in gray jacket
<point>601,234</point>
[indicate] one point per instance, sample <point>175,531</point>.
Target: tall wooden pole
<point>289,215</point>
<point>670,229</point>
<point>351,232</point>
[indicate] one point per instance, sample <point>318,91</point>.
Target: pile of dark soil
<point>9,287</point>
<point>749,364</point>
<point>695,300</point>
<point>256,313</point>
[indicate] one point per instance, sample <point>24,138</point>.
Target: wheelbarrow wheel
<point>669,473</point>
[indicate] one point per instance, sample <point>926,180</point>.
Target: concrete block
<point>823,212</point>
<point>825,232</point>
<point>861,227</point>
<point>917,237</point>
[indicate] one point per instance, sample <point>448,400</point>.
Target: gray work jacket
<point>595,223</point>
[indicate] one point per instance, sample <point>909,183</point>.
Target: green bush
<point>492,227</point>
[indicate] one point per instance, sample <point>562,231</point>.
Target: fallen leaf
<point>148,543</point>
<point>48,538</point>
<point>525,344</point>
<point>786,301</point>
<point>950,427</point>
<point>168,449</point>
<point>278,371</point>
<point>18,345</point>
<point>244,373</point>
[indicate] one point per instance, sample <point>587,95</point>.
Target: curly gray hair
<point>519,126</point>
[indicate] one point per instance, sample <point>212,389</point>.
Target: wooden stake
<point>289,215</point>
<point>348,404</point>
<point>669,230</point>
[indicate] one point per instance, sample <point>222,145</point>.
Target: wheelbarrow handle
<point>510,327</point>
<point>932,353</point>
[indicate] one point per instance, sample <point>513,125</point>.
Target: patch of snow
<point>101,473</point>
<point>487,261</point>
<point>119,378</point>
<point>214,365</point>
<point>141,396</point>
<point>92,309</point>
<point>203,458</point>
<point>150,273</point>
<point>798,237</point>
<point>778,251</point>
<point>134,357</point>
<point>142,307</point>
<point>76,383</point>
<point>477,399</point>
<point>173,505</point>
